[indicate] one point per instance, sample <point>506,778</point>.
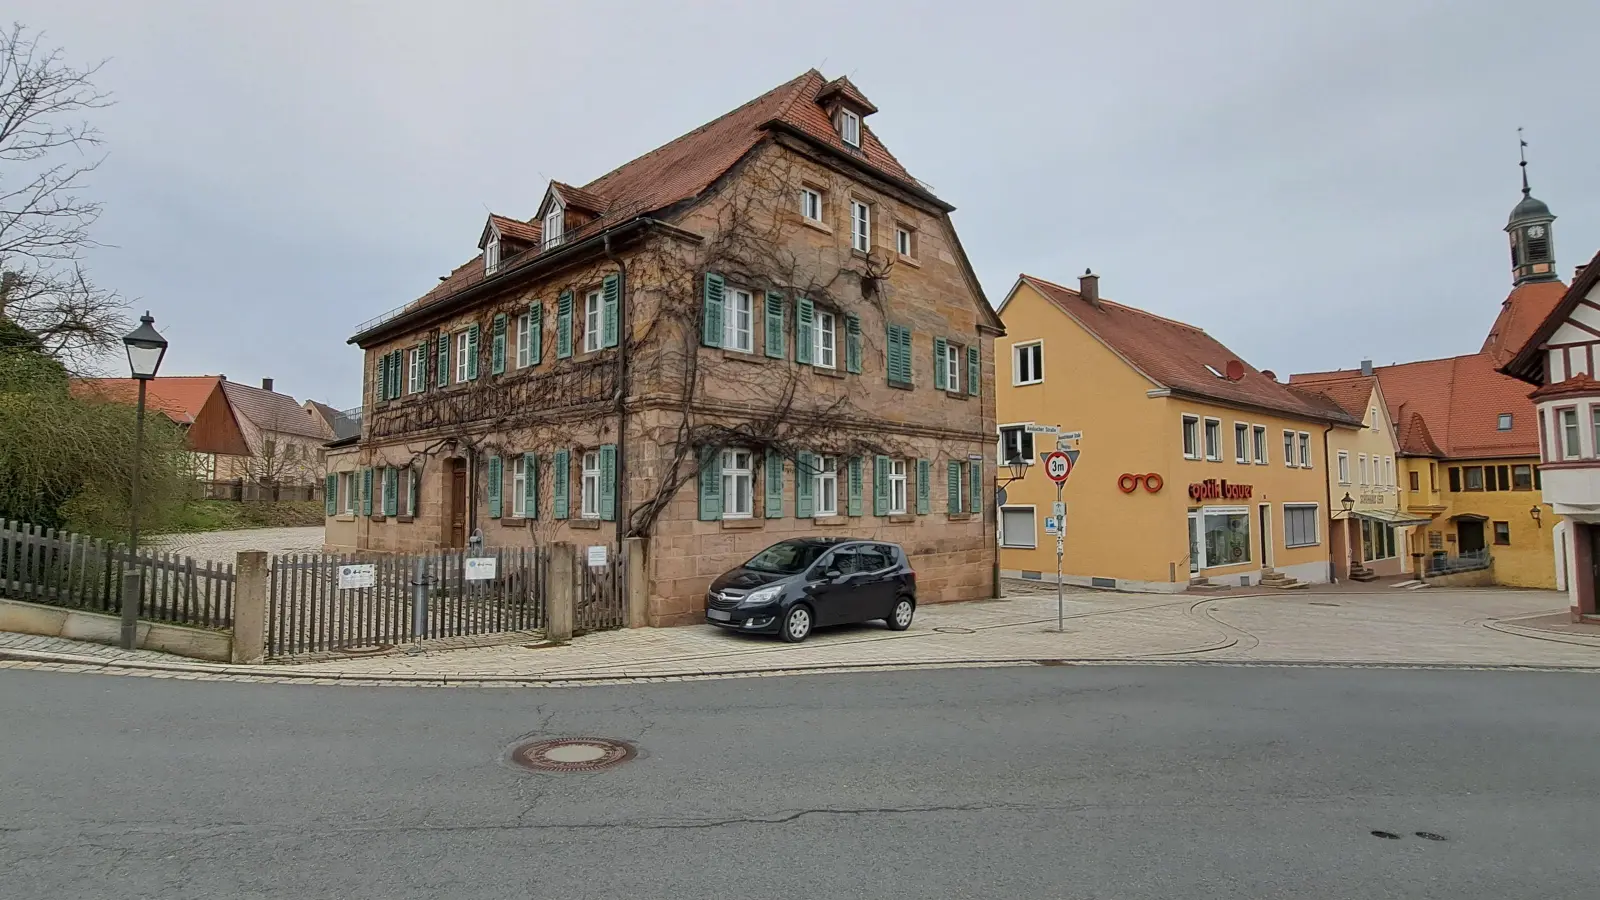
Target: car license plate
<point>719,615</point>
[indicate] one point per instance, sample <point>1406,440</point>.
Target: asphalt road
<point>1124,783</point>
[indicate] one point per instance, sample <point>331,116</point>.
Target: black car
<point>796,585</point>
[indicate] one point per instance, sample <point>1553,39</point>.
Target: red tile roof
<point>1416,440</point>
<point>578,198</point>
<point>1353,394</point>
<point>846,88</point>
<point>1524,359</point>
<point>527,232</point>
<point>1521,313</point>
<point>179,398</point>
<point>1175,355</point>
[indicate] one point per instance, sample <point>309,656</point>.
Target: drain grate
<point>955,629</point>
<point>1430,836</point>
<point>582,754</point>
<point>1052,662</point>
<point>1386,835</point>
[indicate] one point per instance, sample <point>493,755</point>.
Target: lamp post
<point>1019,468</point>
<point>146,347</point>
<point>1537,514</point>
<point>1348,503</point>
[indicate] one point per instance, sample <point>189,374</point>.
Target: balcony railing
<point>1441,563</point>
<point>511,401</point>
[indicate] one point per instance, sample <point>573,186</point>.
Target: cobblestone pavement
<point>221,546</point>
<point>1465,628</point>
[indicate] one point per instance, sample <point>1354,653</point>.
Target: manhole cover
<point>952,629</point>
<point>584,754</point>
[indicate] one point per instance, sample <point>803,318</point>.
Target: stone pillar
<point>249,607</point>
<point>1583,571</point>
<point>560,592</point>
<point>638,583</point>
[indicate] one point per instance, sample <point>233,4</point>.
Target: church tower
<point>1533,252</point>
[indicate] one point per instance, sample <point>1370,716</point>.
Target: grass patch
<point>228,515</point>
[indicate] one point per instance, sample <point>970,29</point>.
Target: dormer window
<point>850,127</point>
<point>491,254</point>
<point>552,225</point>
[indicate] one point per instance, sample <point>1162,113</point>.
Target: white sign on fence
<point>351,577</point>
<point>597,556</point>
<point>480,568</point>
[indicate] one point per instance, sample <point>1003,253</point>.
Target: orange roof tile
<point>1521,313</point>
<point>1523,359</point>
<point>1351,394</point>
<point>1175,355</point>
<point>179,398</point>
<point>517,230</point>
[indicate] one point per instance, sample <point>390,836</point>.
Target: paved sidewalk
<point>1478,628</point>
<point>222,546</point>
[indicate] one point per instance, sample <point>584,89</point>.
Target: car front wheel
<point>900,618</point>
<point>797,624</point>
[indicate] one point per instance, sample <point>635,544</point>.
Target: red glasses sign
<point>1212,489</point>
<point>1129,482</point>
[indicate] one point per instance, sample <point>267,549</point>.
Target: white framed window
<point>1241,443</point>
<point>953,355</point>
<point>1567,422</point>
<point>1361,467</point>
<point>553,221</point>
<point>591,322</point>
<point>737,333</point>
<point>1344,466</point>
<point>737,485</point>
<point>850,127</point>
<point>827,486</point>
<point>811,204</point>
<point>590,507</point>
<point>1224,535</point>
<point>347,483</point>
<point>417,365</point>
<point>903,243</point>
<point>1018,527</point>
<point>827,340</point>
<point>860,226</point>
<point>1373,412</point>
<point>1388,471</point>
<point>461,356</point>
<point>1027,363</point>
<point>1016,445</point>
<point>1300,524</point>
<point>1305,450</point>
<point>524,340</point>
<point>1191,437</point>
<point>519,487</point>
<point>491,254</point>
<point>1288,448</point>
<point>1259,434</point>
<point>1213,439</point>
<point>402,488</point>
<point>897,487</point>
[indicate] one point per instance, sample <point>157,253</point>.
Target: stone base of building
<point>1092,581</point>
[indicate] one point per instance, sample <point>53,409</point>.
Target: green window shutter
<point>905,355</point>
<point>774,319</point>
<point>608,311</point>
<point>422,362</point>
<point>497,355</point>
<point>855,486</point>
<point>852,344</point>
<point>711,334</point>
<point>330,494</point>
<point>941,349</point>
<point>416,492</point>
<point>804,322</point>
<point>366,492</point>
<point>530,485</point>
<point>560,481</point>
<point>564,326</point>
<point>472,352</point>
<point>535,334</point>
<point>710,485</point>
<point>924,487</point>
<point>974,371</point>
<point>805,499</point>
<point>880,486</point>
<point>898,354</point>
<point>496,482</point>
<point>442,377</point>
<point>774,483</point>
<point>391,492</point>
<point>608,482</point>
<point>388,377</point>
<point>953,488</point>
<point>975,472</point>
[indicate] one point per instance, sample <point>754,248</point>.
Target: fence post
<point>559,592</point>
<point>132,591</point>
<point>249,606</point>
<point>638,587</point>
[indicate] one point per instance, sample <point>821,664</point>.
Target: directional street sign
<point>1057,466</point>
<point>1041,429</point>
<point>1058,509</point>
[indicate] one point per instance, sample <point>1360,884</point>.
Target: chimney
<point>1579,270</point>
<point>1271,375</point>
<point>1089,288</point>
<point>1366,367</point>
<point>266,384</point>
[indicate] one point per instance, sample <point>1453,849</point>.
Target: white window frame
<point>1206,512</point>
<point>850,128</point>
<point>589,486</point>
<point>1388,471</point>
<point>1017,363</point>
<point>524,342</point>
<point>593,307</point>
<point>1288,448</point>
<point>1305,449</point>
<point>519,487</point>
<point>461,355</point>
<point>554,226</point>
<point>1213,444</point>
<point>1241,443</point>
<point>1361,467</point>
<point>826,339</point>
<point>953,355</point>
<point>826,487</point>
<point>402,493</point>
<point>897,487</point>
<point>1006,540</point>
<point>1374,411</point>
<point>1316,524</point>
<point>348,480</point>
<point>902,242</point>
<point>860,225</point>
<point>1569,435</point>
<point>1344,466</point>
<point>416,370</point>
<point>1258,439</point>
<point>1192,442</point>
<point>732,475</point>
<point>491,254</point>
<point>811,203</point>
<point>1021,430</point>
<point>737,335</point>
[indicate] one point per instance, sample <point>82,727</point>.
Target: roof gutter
<point>1255,407</point>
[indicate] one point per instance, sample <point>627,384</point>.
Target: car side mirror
<point>833,575</point>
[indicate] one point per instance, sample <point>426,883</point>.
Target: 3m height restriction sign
<point>1057,466</point>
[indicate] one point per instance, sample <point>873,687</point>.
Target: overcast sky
<point>1311,182</point>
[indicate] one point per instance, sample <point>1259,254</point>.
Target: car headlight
<point>762,595</point>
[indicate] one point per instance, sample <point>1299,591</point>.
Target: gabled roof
<point>1522,312</point>
<point>578,198</point>
<point>845,89</point>
<point>1353,394</point>
<point>272,411</point>
<point>1175,355</point>
<point>1416,440</point>
<point>527,232</point>
<point>179,398</point>
<point>1525,361</point>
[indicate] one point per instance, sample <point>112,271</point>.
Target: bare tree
<point>46,154</point>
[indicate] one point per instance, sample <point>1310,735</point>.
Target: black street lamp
<point>146,347</point>
<point>1347,503</point>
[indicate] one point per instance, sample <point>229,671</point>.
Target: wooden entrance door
<point>458,504</point>
<point>1469,536</point>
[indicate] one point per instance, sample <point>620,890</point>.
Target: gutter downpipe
<point>623,519</point>
<point>1327,488</point>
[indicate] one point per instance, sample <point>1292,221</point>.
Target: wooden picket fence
<point>59,568</point>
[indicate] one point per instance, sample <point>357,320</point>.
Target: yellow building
<point>1192,464</point>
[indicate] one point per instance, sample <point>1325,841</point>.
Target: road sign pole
<point>1061,542</point>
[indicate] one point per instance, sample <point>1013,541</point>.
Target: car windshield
<point>786,558</point>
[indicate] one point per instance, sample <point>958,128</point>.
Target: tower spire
<point>1532,244</point>
<point>1522,151</point>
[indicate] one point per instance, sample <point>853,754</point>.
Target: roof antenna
<point>1522,151</point>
